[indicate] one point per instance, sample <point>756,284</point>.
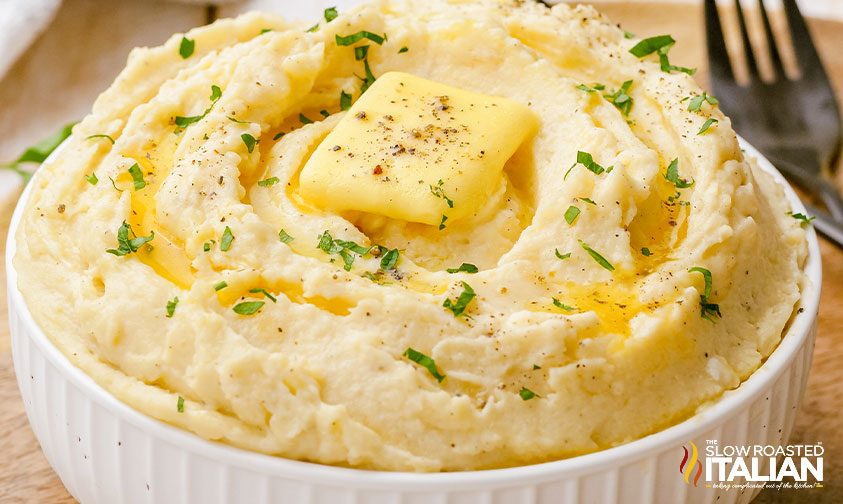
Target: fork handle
<point>826,225</point>
<point>815,183</point>
<point>832,199</point>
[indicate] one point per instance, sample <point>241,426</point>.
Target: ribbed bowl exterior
<point>107,453</point>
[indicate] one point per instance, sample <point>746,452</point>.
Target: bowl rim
<point>718,412</point>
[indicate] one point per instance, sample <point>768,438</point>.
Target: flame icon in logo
<point>690,461</point>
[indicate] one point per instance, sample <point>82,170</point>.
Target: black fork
<point>795,123</point>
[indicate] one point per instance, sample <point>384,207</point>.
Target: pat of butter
<point>389,153</point>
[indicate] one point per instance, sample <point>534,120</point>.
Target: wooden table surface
<point>32,105</point>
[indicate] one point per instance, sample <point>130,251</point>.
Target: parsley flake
<point>591,89</point>
<point>708,310</point>
<point>171,306</point>
<point>226,239</point>
<point>621,98</point>
<point>442,222</point>
<point>183,122</point>
<point>369,79</point>
<point>250,141</point>
<point>561,256</point>
<point>304,119</point>
<point>403,50</point>
<point>439,191</point>
<point>137,177</point>
<point>424,361</point>
<point>585,159</point>
<point>258,290</point>
<point>330,14</point>
<point>180,404</point>
<point>695,103</point>
<point>672,176</point>
<point>92,179</point>
<point>220,286</point>
<point>356,37</point>
<point>562,306</point>
<point>126,245</point>
<point>269,182</point>
<point>527,394</point>
<point>389,259</point>
<point>360,52</point>
<point>571,214</point>
<point>458,307</point>
<point>646,252</point>
<point>284,237</point>
<point>804,219</point>
<point>345,100</point>
<point>597,257</point>
<point>248,307</point>
<point>661,45</point>
<point>464,268</point>
<point>706,125</point>
<point>186,47</point>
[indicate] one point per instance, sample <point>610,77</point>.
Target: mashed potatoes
<point>627,266</point>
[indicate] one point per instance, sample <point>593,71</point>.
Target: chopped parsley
<point>591,89</point>
<point>258,290</point>
<point>708,310</point>
<point>238,121</point>
<point>137,177</point>
<point>585,159</point>
<point>268,182</point>
<point>180,404</point>
<point>248,307</point>
<point>621,99</point>
<point>207,245</point>
<point>345,100</point>
<point>330,14</point>
<point>661,45</point>
<point>458,307</point>
<point>186,47</point>
<point>313,28</point>
<point>561,256</point>
<point>707,124</point>
<point>220,286</point>
<point>672,176</point>
<point>226,239</point>
<point>284,237</point>
<point>106,137</point>
<point>183,122</point>
<point>646,252</point>
<point>126,245</point>
<point>695,103</point>
<point>403,50</point>
<point>588,200</point>
<point>562,306</point>
<point>304,119</point>
<point>278,135</point>
<point>250,141</point>
<point>344,248</point>
<point>464,268</point>
<point>357,37</point>
<point>171,306</point>
<point>571,214</point>
<point>38,153</point>
<point>265,30</point>
<point>369,79</point>
<point>439,191</point>
<point>442,222</point>
<point>597,257</point>
<point>424,361</point>
<point>804,219</point>
<point>527,394</point>
<point>360,52</point>
<point>389,259</point>
<point>628,35</point>
<point>92,179</point>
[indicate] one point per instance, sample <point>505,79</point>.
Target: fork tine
<point>718,55</point>
<point>775,57</point>
<point>806,53</point>
<point>751,65</point>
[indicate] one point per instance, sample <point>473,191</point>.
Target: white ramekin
<point>106,452</point>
